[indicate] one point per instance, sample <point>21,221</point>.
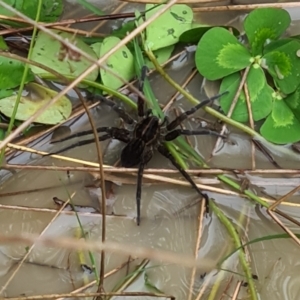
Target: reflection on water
<point>167,221</point>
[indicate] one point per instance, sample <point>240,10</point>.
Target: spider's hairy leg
<point>145,159</point>
<point>83,133</point>
<point>118,109</point>
<point>164,151</point>
<point>172,135</point>
<point>120,134</point>
<point>189,112</point>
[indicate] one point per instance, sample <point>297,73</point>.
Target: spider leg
<point>172,135</point>
<point>189,112</point>
<point>164,151</point>
<point>146,157</point>
<point>90,131</point>
<point>81,143</point>
<point>118,109</point>
<point>120,134</point>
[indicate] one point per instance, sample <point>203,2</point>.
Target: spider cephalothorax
<point>148,135</point>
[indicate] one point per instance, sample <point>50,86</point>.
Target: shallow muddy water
<point>167,222</point>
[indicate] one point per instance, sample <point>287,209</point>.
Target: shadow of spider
<point>148,135</point>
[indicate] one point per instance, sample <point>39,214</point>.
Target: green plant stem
<point>248,193</point>
<point>23,80</point>
<point>242,257</point>
<point>131,277</point>
<point>96,85</point>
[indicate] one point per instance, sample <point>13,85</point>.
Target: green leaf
<point>51,9</point>
<point>11,72</point>
<point>193,35</point>
<point>263,25</point>
<point>281,126</point>
<point>3,45</point>
<point>48,51</point>
<point>96,47</point>
<point>121,62</point>
<point>259,92</point>
<point>56,113</point>
<point>222,57</point>
<point>283,64</point>
<point>293,101</point>
<point>162,55</point>
<point>167,28</point>
<point>5,93</point>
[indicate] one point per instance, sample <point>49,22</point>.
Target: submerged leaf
<point>150,286</point>
<point>222,57</point>
<point>263,25</point>
<point>121,63</point>
<point>37,97</point>
<point>48,51</point>
<point>91,7</point>
<point>167,28</point>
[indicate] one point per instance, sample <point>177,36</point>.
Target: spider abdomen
<point>132,153</point>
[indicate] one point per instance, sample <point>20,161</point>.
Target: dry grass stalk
<point>273,209</point>
<point>165,256</point>
<point>246,7</point>
<point>112,169</point>
<point>231,109</point>
<point>79,295</point>
<point>184,85</point>
<point>179,1</point>
<point>197,247</point>
<point>93,283</point>
<point>237,290</point>
<point>251,122</point>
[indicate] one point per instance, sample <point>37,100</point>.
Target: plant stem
<point>242,257</point>
<point>23,80</point>
<point>99,86</point>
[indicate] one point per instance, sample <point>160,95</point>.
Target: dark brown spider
<point>148,135</point>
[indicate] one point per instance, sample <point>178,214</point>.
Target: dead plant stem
<point>231,109</point>
<point>113,247</point>
<point>111,169</point>
<point>246,6</point>
<point>248,102</point>
<point>197,246</point>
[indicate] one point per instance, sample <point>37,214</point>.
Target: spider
<point>149,134</point>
